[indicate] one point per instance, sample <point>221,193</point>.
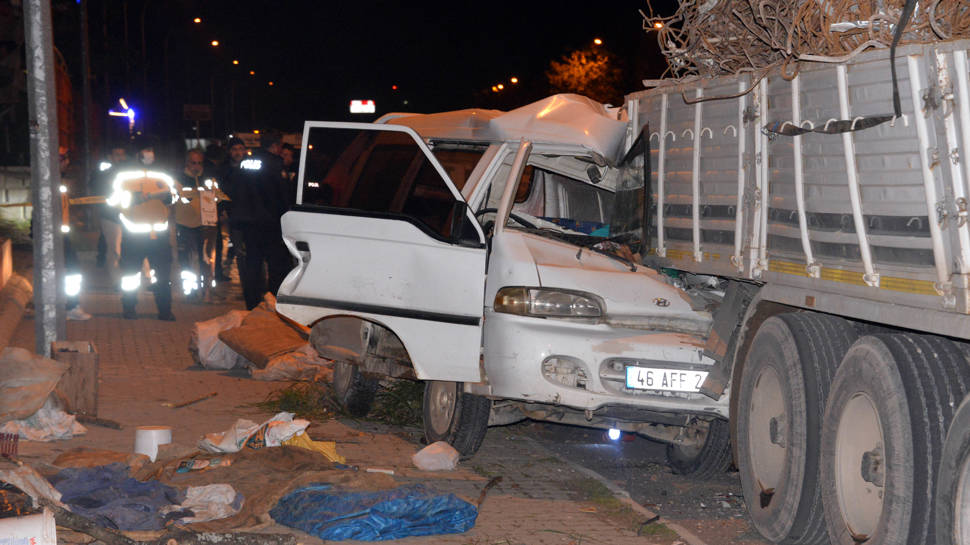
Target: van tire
<point>953,490</point>
<point>712,459</point>
<point>782,395</point>
<point>892,402</point>
<point>354,391</point>
<point>453,416</point>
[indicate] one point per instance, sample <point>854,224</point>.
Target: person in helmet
<point>142,196</point>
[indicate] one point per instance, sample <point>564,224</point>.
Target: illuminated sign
<point>362,107</point>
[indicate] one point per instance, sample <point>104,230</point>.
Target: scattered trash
<point>481,497</point>
<point>149,438</point>
<point>26,381</point>
<point>210,502</point>
<point>9,443</point>
<point>112,499</point>
<point>413,510</point>
<point>27,480</point>
<point>438,456</point>
<point>262,335</point>
<point>327,448</point>
<point>88,457</point>
<point>39,529</point>
<point>302,364</point>
<point>190,402</point>
<point>95,421</point>
<point>198,464</point>
<point>208,350</point>
<point>50,423</point>
<point>244,432</point>
<point>379,470</point>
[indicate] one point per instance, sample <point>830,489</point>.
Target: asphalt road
<point>713,509</point>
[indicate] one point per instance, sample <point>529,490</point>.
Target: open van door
<point>382,233</point>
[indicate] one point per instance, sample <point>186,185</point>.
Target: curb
<point>624,496</point>
<point>14,297</point>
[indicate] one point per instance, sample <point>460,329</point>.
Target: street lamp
<point>235,61</point>
<point>514,79</point>
<point>271,84</point>
<point>252,72</point>
<point>658,25</point>
<point>597,41</point>
<point>500,86</point>
<point>214,43</point>
<point>197,20</point>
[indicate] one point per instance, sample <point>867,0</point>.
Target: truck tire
<point>711,459</point>
<point>455,417</point>
<point>953,490</point>
<point>782,395</point>
<point>891,403</point>
<point>354,391</point>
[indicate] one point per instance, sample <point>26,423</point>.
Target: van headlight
<point>547,303</point>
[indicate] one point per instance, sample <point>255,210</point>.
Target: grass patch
<point>309,400</point>
<point>399,404</point>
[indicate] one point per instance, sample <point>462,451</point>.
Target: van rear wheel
<point>710,459</point>
<point>455,417</point>
<point>354,391</point>
<point>953,490</point>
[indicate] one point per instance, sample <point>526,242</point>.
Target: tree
<point>591,71</point>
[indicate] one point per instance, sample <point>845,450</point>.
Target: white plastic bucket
<point>148,438</point>
<point>37,529</point>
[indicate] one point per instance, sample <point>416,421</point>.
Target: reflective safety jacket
<point>142,198</point>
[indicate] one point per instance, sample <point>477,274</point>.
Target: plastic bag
<point>246,433</point>
<point>438,456</point>
<point>206,348</point>
<point>301,364</point>
<point>50,423</point>
<point>209,502</point>
<point>26,380</point>
<point>413,510</point>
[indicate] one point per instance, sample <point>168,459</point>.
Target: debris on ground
<point>438,456</point>
<point>263,335</point>
<point>49,423</point>
<point>413,510</point>
<point>26,381</point>
<point>208,350</point>
<point>246,433</point>
<point>205,503</point>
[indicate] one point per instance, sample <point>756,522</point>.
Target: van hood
<point>638,299</point>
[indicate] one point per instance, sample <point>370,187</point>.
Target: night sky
<point>320,55</point>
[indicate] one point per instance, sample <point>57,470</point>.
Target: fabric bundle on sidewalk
<point>412,510</point>
<point>107,495</point>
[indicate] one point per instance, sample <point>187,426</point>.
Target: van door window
<point>379,172</point>
<point>570,204</point>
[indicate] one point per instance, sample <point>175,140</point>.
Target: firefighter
<point>142,197</point>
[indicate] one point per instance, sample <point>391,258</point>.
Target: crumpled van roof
<point>558,119</point>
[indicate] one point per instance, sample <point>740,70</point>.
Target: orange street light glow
<point>394,87</point>
<point>494,89</point>
<point>514,79</point>
<point>500,86</point>
<point>271,84</point>
<point>658,25</point>
<point>235,61</point>
<point>256,131</point>
<point>215,43</point>
<point>252,72</point>
<point>197,20</point>
<point>598,41</point>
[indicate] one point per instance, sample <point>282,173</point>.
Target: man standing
<point>196,237</point>
<point>229,180</point>
<point>142,196</point>
<point>258,203</point>
<point>110,255</point>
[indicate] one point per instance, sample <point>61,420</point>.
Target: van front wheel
<point>453,416</point>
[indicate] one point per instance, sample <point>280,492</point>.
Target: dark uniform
<point>257,204</point>
<point>143,203</point>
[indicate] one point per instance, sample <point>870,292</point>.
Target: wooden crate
<point>79,385</point>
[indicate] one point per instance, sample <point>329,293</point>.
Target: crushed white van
<point>483,252</point>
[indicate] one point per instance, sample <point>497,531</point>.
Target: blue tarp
<point>412,510</point>
<point>107,495</point>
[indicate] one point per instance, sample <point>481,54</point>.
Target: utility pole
<point>45,176</point>
<point>85,94</point>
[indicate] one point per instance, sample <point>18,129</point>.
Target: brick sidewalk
<point>145,362</point>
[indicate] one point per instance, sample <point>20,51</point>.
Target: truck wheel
<point>882,435</point>
<point>953,491</point>
<point>782,395</point>
<point>711,459</point>
<point>354,391</point>
<point>455,417</point>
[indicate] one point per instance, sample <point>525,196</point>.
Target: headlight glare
<point>543,302</point>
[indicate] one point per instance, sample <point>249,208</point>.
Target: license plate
<point>671,380</point>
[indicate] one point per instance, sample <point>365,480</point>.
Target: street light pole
<point>45,176</point>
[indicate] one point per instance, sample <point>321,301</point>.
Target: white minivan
<point>487,254</point>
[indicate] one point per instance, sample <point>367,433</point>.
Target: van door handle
<point>303,247</point>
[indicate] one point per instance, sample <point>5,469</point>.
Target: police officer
<point>142,196</point>
<point>258,203</point>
